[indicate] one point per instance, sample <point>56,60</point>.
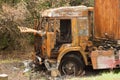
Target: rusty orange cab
<point>67,33</point>
<point>69,41</point>
<point>66,40</point>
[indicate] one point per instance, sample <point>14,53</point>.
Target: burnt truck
<point>71,38</point>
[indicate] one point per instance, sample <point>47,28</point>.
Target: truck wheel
<point>71,65</point>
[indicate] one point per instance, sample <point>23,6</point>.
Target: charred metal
<point>66,41</point>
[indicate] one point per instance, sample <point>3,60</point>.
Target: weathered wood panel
<point>107,18</point>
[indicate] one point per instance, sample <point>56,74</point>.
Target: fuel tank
<point>107,18</point>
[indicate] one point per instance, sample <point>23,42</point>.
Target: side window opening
<point>65,31</point>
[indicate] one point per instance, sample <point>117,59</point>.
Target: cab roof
<point>65,12</point>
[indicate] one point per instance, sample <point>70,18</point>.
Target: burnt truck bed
<point>107,18</point>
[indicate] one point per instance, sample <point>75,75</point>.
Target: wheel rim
<point>69,68</point>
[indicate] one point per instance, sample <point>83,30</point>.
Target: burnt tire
<point>71,65</point>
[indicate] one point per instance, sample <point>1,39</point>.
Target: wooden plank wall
<point>107,18</point>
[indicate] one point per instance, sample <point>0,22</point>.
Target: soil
<point>13,66</point>
<point>14,70</point>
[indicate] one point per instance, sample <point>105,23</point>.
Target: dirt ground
<point>13,66</point>
<point>14,70</point>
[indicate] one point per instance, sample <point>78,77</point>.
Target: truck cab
<point>66,38</point>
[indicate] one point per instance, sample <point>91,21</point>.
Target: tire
<point>71,65</point>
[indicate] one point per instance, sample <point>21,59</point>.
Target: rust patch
<point>102,59</point>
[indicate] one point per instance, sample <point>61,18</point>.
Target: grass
<point>9,61</point>
<point>103,76</point>
<point>14,56</point>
